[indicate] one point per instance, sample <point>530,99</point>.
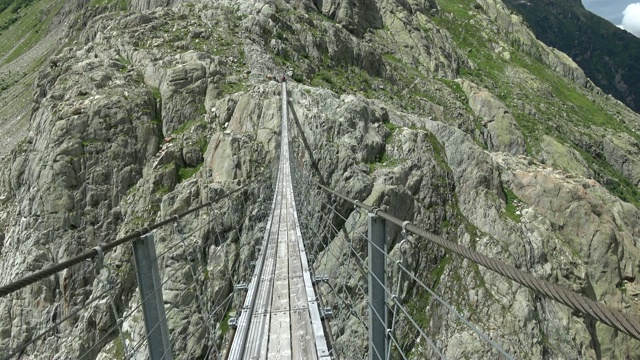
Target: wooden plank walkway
<point>280,318</point>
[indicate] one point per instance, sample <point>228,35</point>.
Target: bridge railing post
<point>150,286</point>
<point>377,283</point>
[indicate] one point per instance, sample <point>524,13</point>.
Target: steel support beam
<point>377,283</point>
<point>150,286</point>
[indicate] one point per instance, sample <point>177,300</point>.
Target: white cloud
<point>631,19</point>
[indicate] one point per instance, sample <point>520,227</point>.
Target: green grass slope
<point>607,54</point>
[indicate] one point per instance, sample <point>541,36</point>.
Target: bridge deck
<point>280,318</point>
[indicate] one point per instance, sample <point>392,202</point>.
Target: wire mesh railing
<point>341,257</point>
<point>338,245</point>
<point>187,252</point>
<point>332,232</point>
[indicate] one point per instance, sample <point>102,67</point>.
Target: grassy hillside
<point>542,102</point>
<point>608,55</point>
<point>23,23</point>
<point>29,32</point>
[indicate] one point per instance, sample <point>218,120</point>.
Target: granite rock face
<point>173,104</point>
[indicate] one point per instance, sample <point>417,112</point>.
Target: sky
<point>619,12</point>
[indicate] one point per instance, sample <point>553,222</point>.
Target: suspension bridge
<point>280,317</point>
<point>285,309</point>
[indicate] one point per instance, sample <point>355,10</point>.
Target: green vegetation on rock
<point>185,173</point>
<point>511,208</point>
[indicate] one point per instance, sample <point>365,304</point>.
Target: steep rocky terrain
<point>607,54</point>
<point>450,113</point>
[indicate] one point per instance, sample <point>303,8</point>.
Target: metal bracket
<point>233,322</point>
<point>326,313</point>
<point>240,287</point>
<point>319,278</point>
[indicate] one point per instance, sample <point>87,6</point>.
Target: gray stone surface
<point>150,113</point>
<point>500,130</point>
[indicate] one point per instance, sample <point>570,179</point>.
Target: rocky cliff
<point>451,113</point>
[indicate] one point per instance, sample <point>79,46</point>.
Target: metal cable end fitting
<point>99,258</point>
<point>404,227</point>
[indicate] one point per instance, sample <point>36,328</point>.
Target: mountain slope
<point>31,32</point>
<point>451,113</point>
<point>607,54</point>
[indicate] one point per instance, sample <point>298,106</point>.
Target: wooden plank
<point>298,296</point>
<point>280,301</point>
<point>279,337</point>
<point>295,268</point>
<point>302,339</point>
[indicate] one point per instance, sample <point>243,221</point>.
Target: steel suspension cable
<point>128,314</point>
<point>395,299</point>
<point>439,299</point>
<point>415,324</point>
<point>332,253</point>
<point>211,315</point>
<point>361,260</point>
<point>366,272</point>
<point>575,301</point>
<point>348,304</point>
<point>194,274</point>
<point>107,247</point>
<point>346,240</point>
<point>133,310</point>
<point>351,301</point>
<point>76,312</point>
<point>393,316</point>
<point>174,306</point>
<point>449,307</point>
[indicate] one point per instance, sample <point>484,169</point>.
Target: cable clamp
<point>177,227</point>
<point>100,258</point>
<point>375,210</point>
<point>144,231</point>
<point>404,228</point>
